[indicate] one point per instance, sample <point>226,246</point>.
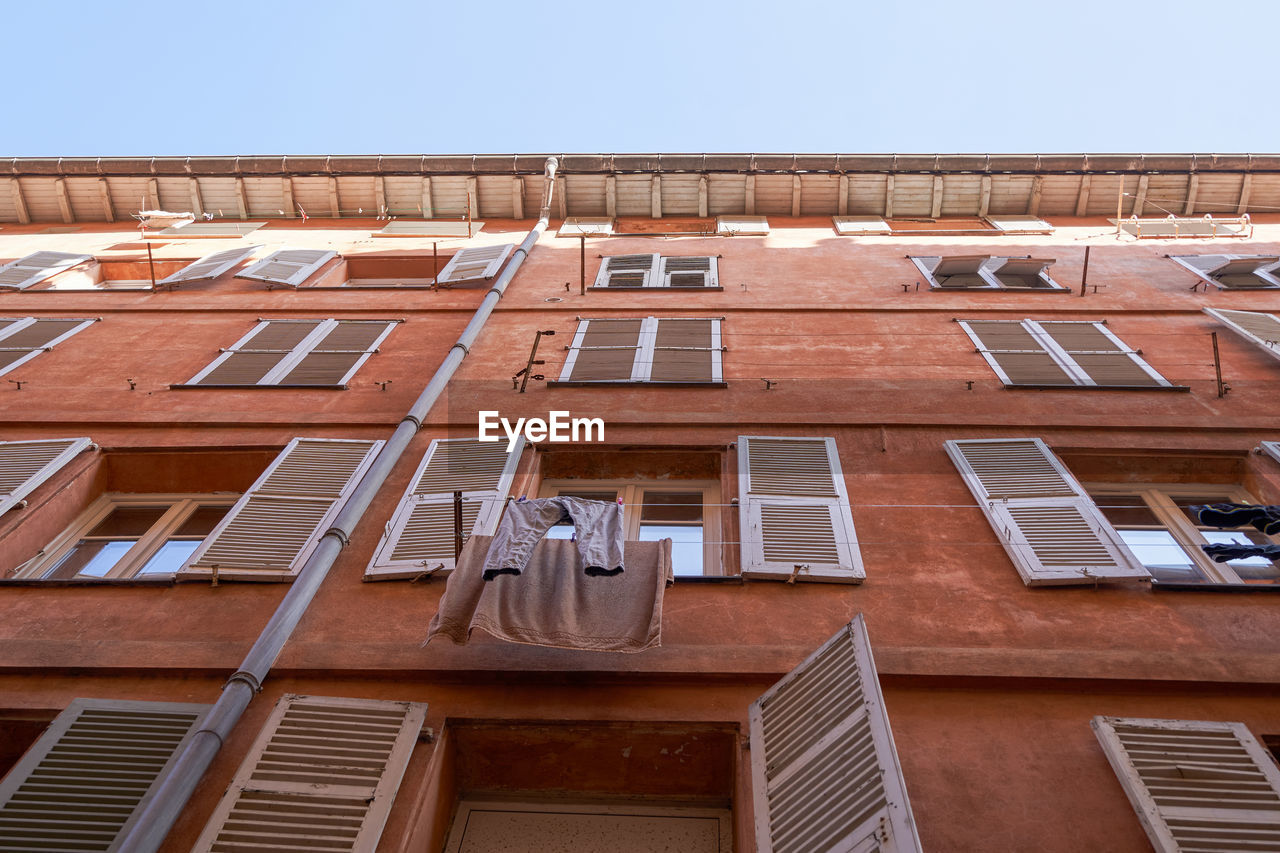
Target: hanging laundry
<point>1232,551</point>
<point>1263,518</point>
<point>598,532</point>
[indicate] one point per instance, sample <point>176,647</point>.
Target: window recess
<point>673,351</point>
<point>1234,272</point>
<point>658,271</point>
<point>984,272</point>
<point>295,353</point>
<point>1062,354</point>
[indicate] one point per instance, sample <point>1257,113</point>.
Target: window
<point>293,353</point>
<point>35,268</point>
<point>24,338</point>
<point>674,351</point>
<point>1234,272</point>
<point>1158,525</point>
<point>657,271</point>
<point>1061,353</point>
<point>984,272</point>
<point>685,511</point>
<point>130,536</point>
<point>288,267</point>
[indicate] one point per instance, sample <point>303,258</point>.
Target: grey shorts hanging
<point>597,525</point>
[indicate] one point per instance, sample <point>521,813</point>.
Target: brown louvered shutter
<point>824,770</point>
<point>24,465</point>
<point>253,356</point>
<point>689,271</point>
<point>339,354</point>
<point>1015,354</point>
<point>1262,330</point>
<point>1045,520</point>
<point>1196,785</point>
<point>81,785</point>
<point>210,266</point>
<point>290,267</point>
<point>603,351</point>
<point>480,262</point>
<point>627,271</point>
<point>420,536</point>
<point>22,340</point>
<point>322,775</point>
<point>274,526</point>
<point>686,351</point>
<point>37,267</point>
<point>794,511</point>
<point>1101,356</point>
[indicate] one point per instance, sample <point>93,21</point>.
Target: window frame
<point>988,271</point>
<point>182,505</point>
<point>630,490</point>
<point>1159,499</point>
<point>656,276</point>
<point>642,360</point>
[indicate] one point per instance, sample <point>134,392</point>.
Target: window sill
<point>736,580</point>
<point>1099,387</point>
<point>1174,586</point>
<point>1019,290</point>
<point>202,387</point>
<point>166,580</point>
<point>655,289</point>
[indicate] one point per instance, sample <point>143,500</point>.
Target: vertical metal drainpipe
<point>175,787</point>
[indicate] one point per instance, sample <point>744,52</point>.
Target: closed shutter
<point>690,271</point>
<point>23,339</point>
<point>1103,358</point>
<point>275,526</point>
<point>290,267</point>
<point>24,465</point>
<point>1045,520</point>
<point>322,775</point>
<point>210,266</point>
<point>37,267</point>
<point>480,262</point>
<point>1016,355</point>
<point>1254,326</point>
<point>824,768</point>
<point>603,351</point>
<point>333,359</point>
<point>81,785</point>
<point>628,271</point>
<point>794,511</point>
<point>1060,354</point>
<point>257,354</point>
<point>686,351</point>
<point>420,535</point>
<point>1196,786</point>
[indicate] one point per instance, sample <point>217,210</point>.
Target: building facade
<point>925,432</point>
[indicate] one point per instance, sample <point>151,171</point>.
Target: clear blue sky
<point>190,78</point>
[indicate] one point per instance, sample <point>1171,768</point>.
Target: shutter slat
<point>479,262</point>
<point>274,526</point>
<point>1045,520</point>
<point>24,465</point>
<point>825,772</point>
<point>794,511</point>
<point>322,775</point>
<point>210,266</point>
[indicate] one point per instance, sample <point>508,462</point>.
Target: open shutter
<point>23,339</point>
<point>824,771</point>
<point>274,526</point>
<point>794,511</point>
<point>1272,449</point>
<point>603,351</point>
<point>742,225</point>
<point>1046,521</point>
<point>861,225</point>
<point>1254,326</point>
<point>336,357</point>
<point>420,535</point>
<point>628,271</point>
<point>24,465</point>
<point>35,268</point>
<point>480,262</point>
<point>82,783</point>
<point>1196,786</point>
<point>322,775</point>
<point>1023,273</point>
<point>1015,224</point>
<point>210,266</point>
<point>1101,357</point>
<point>1015,354</point>
<point>686,350</point>
<point>290,267</point>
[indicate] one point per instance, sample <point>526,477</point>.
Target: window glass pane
<point>202,521</point>
<point>126,521</point>
<point>90,559</point>
<point>1162,555</point>
<point>1185,504</point>
<point>686,545</point>
<point>672,507</point>
<point>1126,509</point>
<point>170,557</point>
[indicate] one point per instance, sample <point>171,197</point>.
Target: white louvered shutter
<point>1196,786</point>
<point>1043,517</point>
<point>480,262</point>
<point>275,525</point>
<point>864,225</point>
<point>1016,354</point>
<point>628,271</point>
<point>35,268</point>
<point>333,359</point>
<point>689,271</point>
<point>824,770</point>
<point>794,511</point>
<point>82,784</point>
<point>261,353</point>
<point>24,465</point>
<point>1254,326</point>
<point>1099,357</point>
<point>322,775</point>
<point>420,536</point>
<point>743,225</point>
<point>23,339</point>
<point>290,267</point>
<point>681,350</point>
<point>1272,449</point>
<point>210,266</point>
